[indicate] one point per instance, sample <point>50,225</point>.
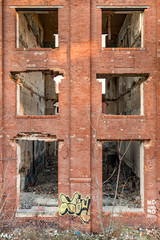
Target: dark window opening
<point>122,29</point>
<point>37,92</point>
<point>129,156</point>
<point>37,29</point>
<point>38,171</point>
<point>122,94</point>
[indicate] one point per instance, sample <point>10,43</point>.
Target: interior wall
<point>31,31</point>
<point>130,189</point>
<point>110,158</point>
<point>35,156</point>
<point>111,95</point>
<point>123,96</point>
<point>26,159</point>
<point>36,93</point>
<point>50,93</point>
<point>130,33</point>
<point>50,24</point>
<point>132,157</point>
<point>121,29</point>
<point>32,93</point>
<point>38,29</point>
<point>129,104</point>
<point>32,161</point>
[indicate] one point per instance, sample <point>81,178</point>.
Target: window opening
<point>130,195</point>
<point>38,176</point>
<point>123,29</point>
<point>37,92</point>
<point>37,29</point>
<point>122,94</point>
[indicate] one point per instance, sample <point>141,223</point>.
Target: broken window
<point>123,168</point>
<point>122,29</point>
<point>37,92</point>
<point>38,175</point>
<point>37,28</point>
<point>122,94</point>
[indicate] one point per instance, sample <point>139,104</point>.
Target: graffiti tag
<point>76,206</point>
<point>151,208</point>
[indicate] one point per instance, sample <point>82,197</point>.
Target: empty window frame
<point>122,28</point>
<point>37,176</point>
<point>37,28</point>
<point>126,160</point>
<point>122,94</point>
<point>37,92</point>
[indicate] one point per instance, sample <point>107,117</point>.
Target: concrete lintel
<point>35,137</point>
<point>123,7</point>
<point>36,7</point>
<point>123,140</point>
<point>32,138</point>
<point>37,211</point>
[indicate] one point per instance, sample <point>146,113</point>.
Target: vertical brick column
<point>80,102</point>
<point>1,95</point>
<point>158,109</point>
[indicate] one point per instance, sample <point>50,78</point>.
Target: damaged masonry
<point>79,113</point>
<point>130,196</point>
<point>37,174</point>
<point>37,92</point>
<point>122,94</point>
<point>37,29</point>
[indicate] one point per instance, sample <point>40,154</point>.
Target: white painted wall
<point>32,94</point>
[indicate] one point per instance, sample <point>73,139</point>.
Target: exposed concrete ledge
<point>36,7</point>
<point>122,209</point>
<point>38,211</point>
<point>123,7</point>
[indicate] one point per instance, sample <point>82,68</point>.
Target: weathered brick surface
<point>79,57</point>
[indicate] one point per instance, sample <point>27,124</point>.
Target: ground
<point>117,233</point>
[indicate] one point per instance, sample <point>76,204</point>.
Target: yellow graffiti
<point>75,206</point>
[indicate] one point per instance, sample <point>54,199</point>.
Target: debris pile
<point>43,193</point>
<point>128,193</point>
<point>119,232</point>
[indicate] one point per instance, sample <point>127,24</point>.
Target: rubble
<point>116,233</point>
<point>128,192</point>
<point>127,196</point>
<point>43,193</point>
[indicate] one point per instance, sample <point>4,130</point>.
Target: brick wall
<point>80,120</point>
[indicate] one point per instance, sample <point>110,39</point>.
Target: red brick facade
<point>80,57</point>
